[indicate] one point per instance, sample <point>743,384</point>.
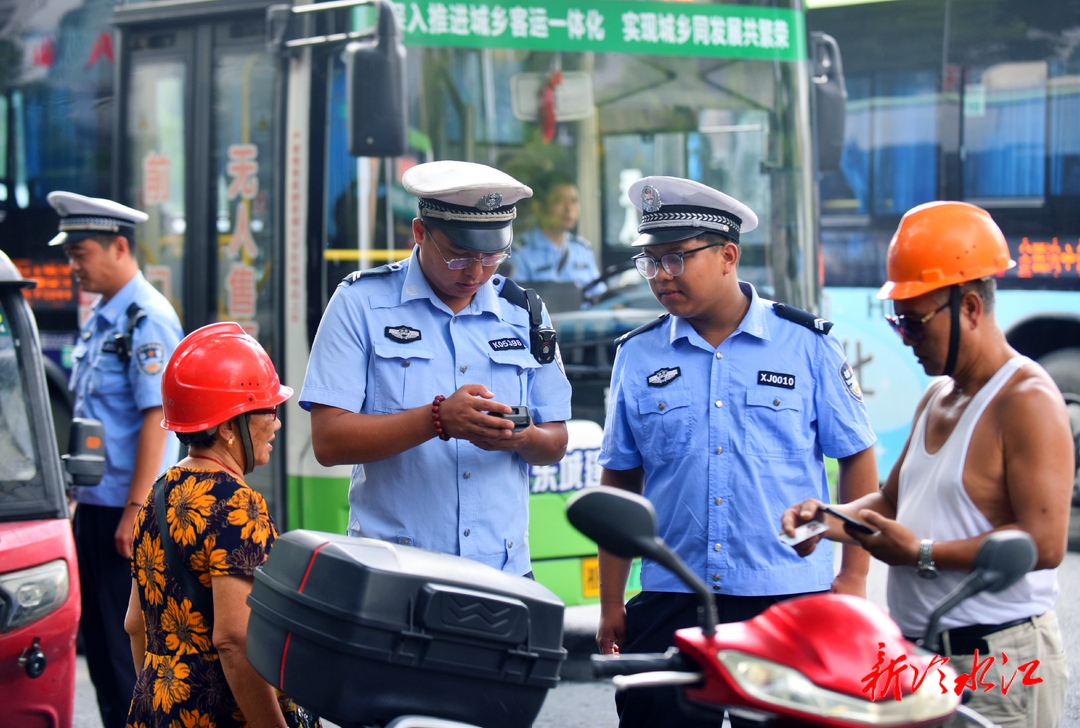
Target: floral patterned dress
<point>221,527</point>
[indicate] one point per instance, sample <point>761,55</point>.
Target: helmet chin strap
<point>954,330</point>
<point>245,440</point>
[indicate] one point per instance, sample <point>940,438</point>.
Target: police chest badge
<point>850,383</point>
<point>504,344</point>
<point>150,358</point>
<point>403,334</point>
<point>663,377</point>
<point>776,379</point>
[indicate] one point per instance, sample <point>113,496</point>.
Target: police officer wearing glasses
<point>719,411</point>
<point>414,363</point>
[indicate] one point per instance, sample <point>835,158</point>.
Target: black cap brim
<point>479,238</point>
<point>663,237</point>
<point>74,236</point>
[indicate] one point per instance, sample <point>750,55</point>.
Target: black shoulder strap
<point>122,342</point>
<point>803,318</point>
<point>514,293</point>
<point>641,329</point>
<point>382,270</point>
<point>202,599</point>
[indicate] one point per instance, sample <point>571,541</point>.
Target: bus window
<point>156,161</point>
<point>1004,132</point>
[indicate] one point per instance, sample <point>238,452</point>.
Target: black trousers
<point>105,579</point>
<point>651,621</point>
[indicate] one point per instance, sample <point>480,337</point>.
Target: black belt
<point>965,640</point>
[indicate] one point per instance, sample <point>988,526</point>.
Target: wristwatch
<point>927,567</point>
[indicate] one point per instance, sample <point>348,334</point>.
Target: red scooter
<point>826,660</point>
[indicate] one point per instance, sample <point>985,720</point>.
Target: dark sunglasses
<point>272,411</point>
<point>911,325</point>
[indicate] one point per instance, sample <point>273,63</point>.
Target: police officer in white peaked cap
<point>414,361</point>
<point>116,378</point>
<point>720,411</point>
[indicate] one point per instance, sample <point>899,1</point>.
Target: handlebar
<point>632,664</point>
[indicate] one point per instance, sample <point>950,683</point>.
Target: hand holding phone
<point>856,525</point>
<point>519,415</point>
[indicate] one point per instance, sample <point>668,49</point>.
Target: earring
<point>230,442</point>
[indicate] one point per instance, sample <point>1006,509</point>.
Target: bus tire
<point>1063,366</point>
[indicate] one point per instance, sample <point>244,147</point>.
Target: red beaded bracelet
<point>435,416</point>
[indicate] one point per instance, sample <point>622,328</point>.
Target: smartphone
<point>519,415</point>
<point>855,524</point>
<point>803,532</point>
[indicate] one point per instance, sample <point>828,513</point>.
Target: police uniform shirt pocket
<point>775,424</point>
<point>511,365</point>
<point>663,426</point>
<point>404,377</point>
<point>109,373</point>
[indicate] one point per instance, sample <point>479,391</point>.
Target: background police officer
<point>116,378</point>
<point>719,411</point>
<point>552,251</point>
<point>411,363</point>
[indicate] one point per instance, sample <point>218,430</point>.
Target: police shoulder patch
<point>664,377</point>
<point>403,334</point>
<point>150,358</point>
<point>803,318</point>
<point>847,376</point>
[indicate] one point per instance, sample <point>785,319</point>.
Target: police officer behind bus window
<point>720,409</point>
<point>116,378</point>
<point>414,361</point>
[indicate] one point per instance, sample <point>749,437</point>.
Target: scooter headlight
<point>32,593</point>
<point>786,687</point>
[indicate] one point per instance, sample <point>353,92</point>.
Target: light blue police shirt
<point>729,437</point>
<point>538,259</point>
<point>387,344</point>
<point>116,393</point>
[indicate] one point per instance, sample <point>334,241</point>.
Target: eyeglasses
<point>911,325</point>
<point>673,263</point>
<point>488,261</point>
<point>272,411</point>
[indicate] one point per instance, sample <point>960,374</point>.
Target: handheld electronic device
<point>519,416</point>
<point>855,524</point>
<point>803,532</point>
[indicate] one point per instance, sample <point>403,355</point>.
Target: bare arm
<point>136,629</point>
<point>543,444</point>
<point>257,698</point>
<point>148,453</point>
<point>1039,470</point>
<point>858,478</point>
<point>615,571</point>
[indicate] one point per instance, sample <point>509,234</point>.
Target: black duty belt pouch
<point>202,599</point>
<point>363,631</point>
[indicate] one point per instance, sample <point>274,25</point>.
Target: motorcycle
<point>802,662</point>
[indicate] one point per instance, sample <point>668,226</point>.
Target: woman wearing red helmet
<point>198,539</point>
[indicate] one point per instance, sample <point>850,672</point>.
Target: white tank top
<point>932,503</point>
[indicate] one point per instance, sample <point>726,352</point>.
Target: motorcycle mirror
<point>624,524</point>
<point>1002,560</point>
<point>621,523</point>
<point>1004,557</point>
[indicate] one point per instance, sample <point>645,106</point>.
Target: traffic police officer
<point>116,378</point>
<point>720,411</point>
<point>552,251</point>
<point>414,361</point>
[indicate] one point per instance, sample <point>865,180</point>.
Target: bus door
<point>197,148</point>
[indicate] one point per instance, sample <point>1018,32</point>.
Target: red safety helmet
<point>215,374</point>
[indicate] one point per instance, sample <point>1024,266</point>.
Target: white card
<point>803,532</point>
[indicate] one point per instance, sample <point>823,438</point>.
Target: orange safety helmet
<point>216,373</point>
<point>941,244</point>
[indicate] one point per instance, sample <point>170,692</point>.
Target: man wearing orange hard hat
<point>991,449</point>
